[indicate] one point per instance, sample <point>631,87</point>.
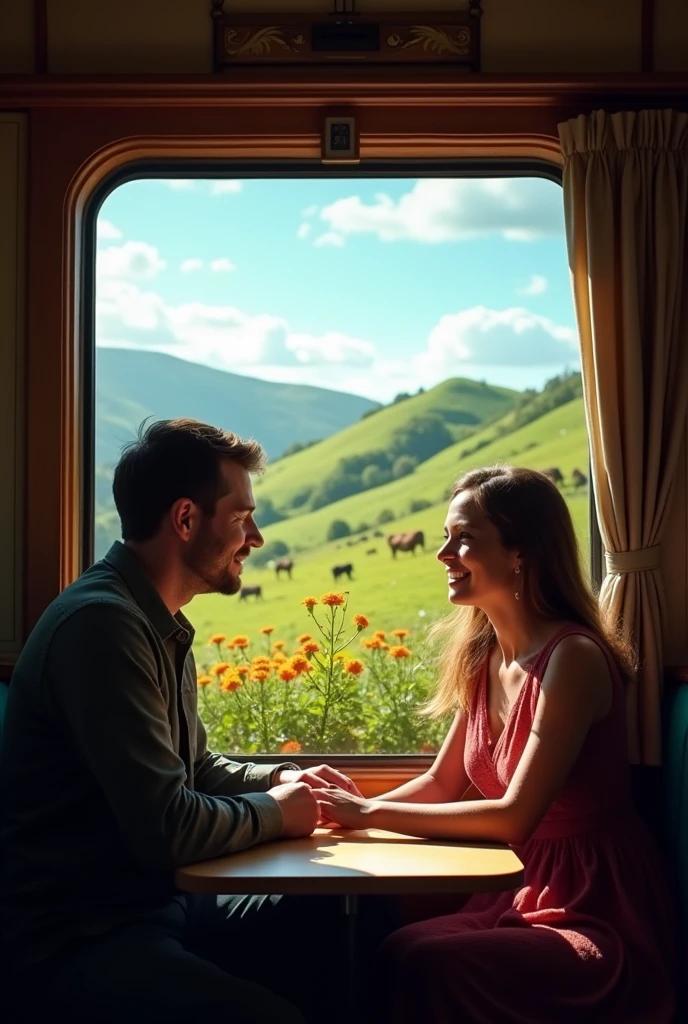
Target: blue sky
<point>365,285</point>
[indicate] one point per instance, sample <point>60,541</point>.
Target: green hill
<point>460,404</point>
<point>132,385</point>
<point>559,438</point>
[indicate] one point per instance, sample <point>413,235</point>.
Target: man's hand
<point>343,809</point>
<point>299,809</point>
<point>319,778</point>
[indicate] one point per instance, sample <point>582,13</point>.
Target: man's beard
<point>206,562</point>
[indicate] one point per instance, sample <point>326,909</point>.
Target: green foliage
<point>422,437</point>
<point>297,446</point>
<point>385,516</point>
<point>325,697</point>
<point>337,529</point>
<point>271,550</point>
<point>403,466</point>
<point>339,484</point>
<point>418,504</point>
<point>374,476</point>
<point>267,513</point>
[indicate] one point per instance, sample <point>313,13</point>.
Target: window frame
<point>394,768</point>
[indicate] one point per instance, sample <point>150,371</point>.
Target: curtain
<point>626,210</point>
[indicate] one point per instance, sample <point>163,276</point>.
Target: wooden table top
<point>369,861</point>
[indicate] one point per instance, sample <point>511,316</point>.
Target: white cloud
<point>130,260</point>
<point>329,238</point>
<point>331,347</point>
<point>536,286</point>
<point>223,188</point>
<point>439,210</point>
<point>191,265</point>
<point>490,337</point>
<point>106,231</point>
<point>304,230</point>
<point>180,184</point>
<point>222,265</point>
<point>310,211</point>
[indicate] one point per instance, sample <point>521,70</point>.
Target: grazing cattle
<point>378,533</point>
<point>371,551</point>
<point>284,565</point>
<point>579,479</point>
<point>554,474</point>
<point>342,570</point>
<point>406,541</point>
<point>251,592</point>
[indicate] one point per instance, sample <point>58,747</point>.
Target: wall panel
<point>16,37</point>
<point>12,298</point>
<point>671,35</point>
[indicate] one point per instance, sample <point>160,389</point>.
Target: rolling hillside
<point>559,438</point>
<point>461,404</point>
<point>131,385</point>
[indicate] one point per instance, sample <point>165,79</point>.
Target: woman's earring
<point>517,595</point>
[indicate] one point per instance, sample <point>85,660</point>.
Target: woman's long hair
<point>533,518</point>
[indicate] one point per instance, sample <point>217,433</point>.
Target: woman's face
<point>480,570</point>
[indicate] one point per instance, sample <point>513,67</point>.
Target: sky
<point>371,286</point>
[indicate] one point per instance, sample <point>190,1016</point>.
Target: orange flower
<point>310,647</point>
<point>338,656</point>
<point>278,645</point>
<point>279,659</point>
<point>242,670</point>
<point>204,680</point>
<point>332,600</point>
<point>304,638</point>
<point>354,667</point>
<point>380,634</point>
<point>291,747</point>
<point>300,664</point>
<point>230,684</point>
<point>361,621</point>
<point>218,669</point>
<point>310,603</point>
<point>400,633</point>
<point>372,645</point>
<point>267,630</point>
<point>239,641</point>
<point>428,748</point>
<point>260,659</point>
<point>399,652</point>
<point>217,638</point>
<point>259,675</point>
<point>287,674</point>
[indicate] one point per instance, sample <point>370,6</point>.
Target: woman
<point>536,680</point>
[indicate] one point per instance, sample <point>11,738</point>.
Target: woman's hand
<point>342,808</point>
<point>320,777</point>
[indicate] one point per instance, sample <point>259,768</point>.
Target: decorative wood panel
<point>418,39</point>
<point>12,297</point>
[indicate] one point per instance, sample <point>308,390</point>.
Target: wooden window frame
<point>84,130</point>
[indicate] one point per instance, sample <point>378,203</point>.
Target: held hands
<point>320,778</point>
<point>300,811</point>
<point>341,808</point>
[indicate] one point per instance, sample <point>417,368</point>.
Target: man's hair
<point>173,459</point>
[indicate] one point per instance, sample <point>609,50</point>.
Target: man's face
<point>220,543</point>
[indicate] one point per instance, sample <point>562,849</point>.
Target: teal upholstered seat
<point>676,809</point>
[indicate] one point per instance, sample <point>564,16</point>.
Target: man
<point>106,782</point>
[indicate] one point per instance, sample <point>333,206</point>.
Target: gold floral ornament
<point>245,43</point>
<point>291,747</point>
<point>433,40</point>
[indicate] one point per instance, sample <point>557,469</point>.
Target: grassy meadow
<point>409,591</point>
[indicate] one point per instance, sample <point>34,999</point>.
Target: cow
<point>284,565</point>
<point>406,541</point>
<point>554,474</point>
<point>579,479</point>
<point>256,592</point>
<point>342,570</point>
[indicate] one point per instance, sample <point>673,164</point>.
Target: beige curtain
<point>626,203</point>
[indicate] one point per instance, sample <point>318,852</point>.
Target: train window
<point>379,335</point>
